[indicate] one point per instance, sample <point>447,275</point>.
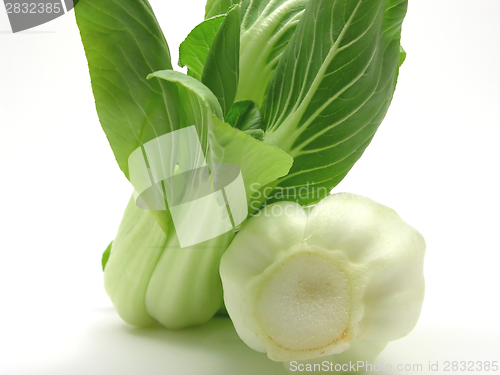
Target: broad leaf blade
<point>123,44</point>
<point>266,28</point>
<point>332,89</point>
<point>221,70</point>
<point>193,51</point>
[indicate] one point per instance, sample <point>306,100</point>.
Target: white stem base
<point>311,292</point>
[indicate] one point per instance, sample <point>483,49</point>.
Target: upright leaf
<point>199,104</point>
<point>193,51</point>
<point>332,88</point>
<point>221,70</point>
<point>266,28</point>
<point>123,44</point>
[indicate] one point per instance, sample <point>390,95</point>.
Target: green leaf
<point>105,255</point>
<point>217,7</point>
<point>332,89</point>
<point>123,44</point>
<point>193,51</point>
<point>221,70</point>
<point>266,28</point>
<point>260,164</point>
<point>197,106</point>
<point>244,115</point>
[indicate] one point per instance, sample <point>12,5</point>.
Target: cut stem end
<point>303,307</point>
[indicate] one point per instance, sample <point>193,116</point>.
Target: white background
<point>435,160</point>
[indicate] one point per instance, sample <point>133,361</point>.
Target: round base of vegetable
<point>309,291</point>
<point>303,283</point>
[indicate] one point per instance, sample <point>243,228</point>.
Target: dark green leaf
<point>221,70</point>
<point>123,44</point>
<point>332,89</point>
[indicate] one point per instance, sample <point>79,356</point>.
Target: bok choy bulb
<point>150,279</point>
<point>305,283</point>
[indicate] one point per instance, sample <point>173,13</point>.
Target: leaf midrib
<point>281,135</point>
